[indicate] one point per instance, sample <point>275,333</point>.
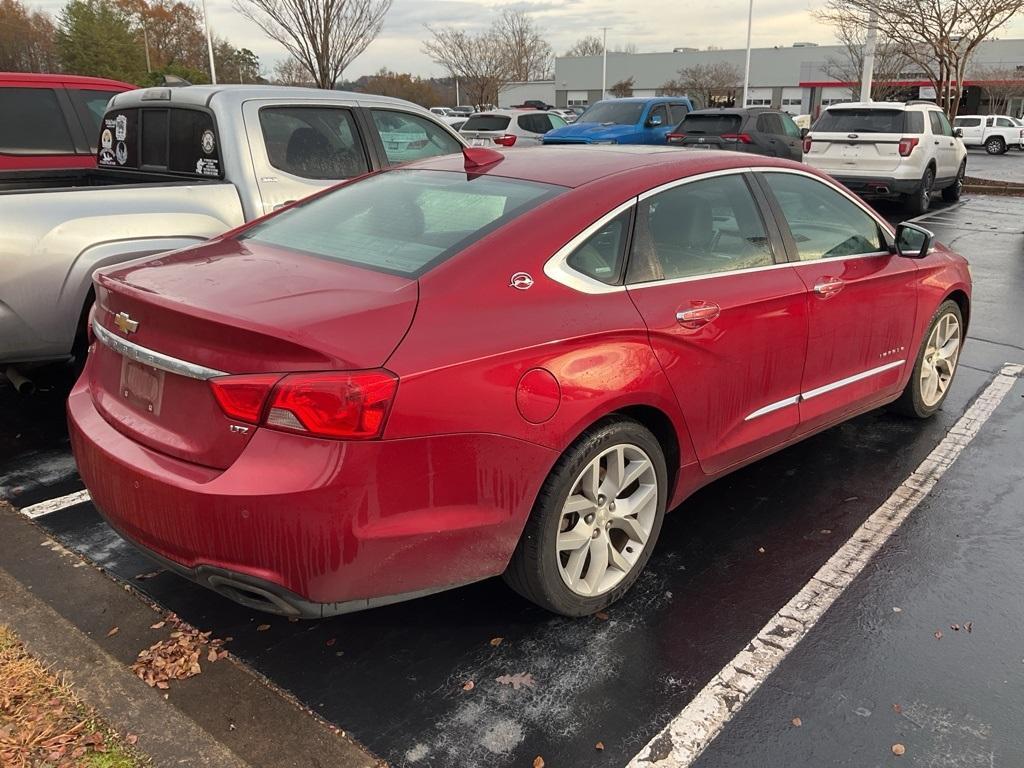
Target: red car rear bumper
<point>311,527</point>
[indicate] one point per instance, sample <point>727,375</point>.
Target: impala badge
<point>521,280</point>
<point>124,321</point>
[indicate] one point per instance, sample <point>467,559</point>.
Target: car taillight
<point>506,141</point>
<point>351,405</point>
<point>242,397</point>
<point>808,141</point>
<point>675,137</point>
<point>907,146</point>
<point>742,138</point>
<point>339,404</point>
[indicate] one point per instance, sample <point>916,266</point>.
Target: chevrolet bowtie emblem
<point>124,321</point>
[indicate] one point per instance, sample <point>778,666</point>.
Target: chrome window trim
<point>772,407</point>
<point>557,268</point>
<point>155,359</point>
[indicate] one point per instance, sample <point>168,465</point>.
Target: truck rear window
<point>402,222</point>
<point>864,121</point>
<point>175,140</point>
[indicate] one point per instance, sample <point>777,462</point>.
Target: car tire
<point>995,145</point>
<point>952,193</point>
<point>919,200</point>
<point>919,399</point>
<point>547,561</point>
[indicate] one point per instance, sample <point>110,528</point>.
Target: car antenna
<point>478,157</point>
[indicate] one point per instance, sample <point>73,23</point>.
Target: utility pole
<point>746,69</point>
<point>867,76</point>
<point>209,44</point>
<point>456,91</point>
<point>145,42</point>
<point>604,64</point>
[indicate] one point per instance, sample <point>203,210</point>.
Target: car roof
<point>884,105</point>
<point>571,166</point>
<point>733,111</point>
<point>234,95</point>
<point>512,112</point>
<point>647,99</point>
<point>52,79</point>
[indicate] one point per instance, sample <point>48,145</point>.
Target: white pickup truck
<point>177,166</point>
<point>996,133</point>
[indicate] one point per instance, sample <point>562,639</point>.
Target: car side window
<point>1004,122</point>
<point>313,142</point>
<point>944,126</point>
<point>988,122</point>
<point>535,123</point>
<point>678,112</point>
<point>556,121</point>
<point>824,223</point>
<point>407,137</point>
<point>789,128</point>
<point>600,255</point>
<point>34,123</point>
<point>699,228</point>
<point>659,110</point>
<point>933,119</point>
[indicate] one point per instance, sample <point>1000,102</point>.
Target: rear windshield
<point>174,140</point>
<point>613,113</point>
<point>861,121</point>
<point>486,123</point>
<point>403,222</point>
<point>710,125</point>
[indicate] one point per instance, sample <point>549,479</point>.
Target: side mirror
<point>804,132</point>
<point>958,132</point>
<point>912,241</point>
<point>654,121</point>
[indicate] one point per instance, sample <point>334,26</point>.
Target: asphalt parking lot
<point>1008,166</point>
<point>865,677</point>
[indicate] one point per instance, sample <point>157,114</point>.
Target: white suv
<point>884,149</point>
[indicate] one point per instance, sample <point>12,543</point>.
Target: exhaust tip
<point>21,383</point>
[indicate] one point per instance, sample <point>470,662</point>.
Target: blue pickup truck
<point>633,120</point>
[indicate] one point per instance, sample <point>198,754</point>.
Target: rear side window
<point>402,222</point>
<point>487,123</point>
<point>33,123</point>
<point>1004,122</point>
<point>600,256</point>
<point>861,121</point>
<point>181,141</point>
<point>789,128</point>
<point>91,106</point>
<point>936,124</point>
<point>967,122</point>
<point>539,123</point>
<point>677,112</point>
<point>710,125</point>
<point>408,137</point>
<point>770,123</point>
<point>313,142</point>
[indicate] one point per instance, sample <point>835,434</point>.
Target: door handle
<point>698,316</point>
<point>830,286</point>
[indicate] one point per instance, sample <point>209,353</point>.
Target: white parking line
<point>688,734</point>
<point>933,214</point>
<point>52,505</point>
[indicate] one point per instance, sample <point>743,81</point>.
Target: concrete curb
<point>228,716</point>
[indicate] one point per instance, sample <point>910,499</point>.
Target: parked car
<point>996,133</point>
<point>449,116</point>
<point>892,150</point>
<point>305,415</point>
<point>624,121</point>
<point>534,104</point>
<point>52,121</point>
<point>569,115</point>
<point>509,127</point>
<point>176,167</point>
<point>464,109</point>
<point>756,131</point>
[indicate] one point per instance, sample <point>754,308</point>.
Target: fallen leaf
<point>938,634</point>
<point>212,655</point>
<point>113,631</point>
<point>538,762</point>
<point>969,626</point>
<point>797,722</point>
<point>158,625</point>
<point>599,746</point>
<point>148,575</point>
<point>469,685</point>
<point>897,709</point>
<point>898,749</point>
<point>955,627</point>
<point>601,616</point>
<point>163,685</point>
<point>132,738</point>
<point>262,627</point>
<point>897,609</point>
<point>496,641</point>
<point>517,681</point>
<point>761,550</point>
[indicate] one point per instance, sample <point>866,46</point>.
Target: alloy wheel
<point>926,191</point>
<point>606,520</point>
<point>940,358</point>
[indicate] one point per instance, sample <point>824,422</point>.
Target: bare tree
<point>624,48</point>
<point>848,66</point>
<point>529,55</point>
<point>325,36</point>
<point>1001,84</point>
<point>291,71</point>
<point>477,59</point>
<point>709,84</point>
<point>622,89</point>
<point>590,45</point>
<point>939,36</point>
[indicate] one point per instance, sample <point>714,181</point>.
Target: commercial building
<point>795,79</point>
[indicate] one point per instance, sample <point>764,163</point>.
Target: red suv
<point>52,121</point>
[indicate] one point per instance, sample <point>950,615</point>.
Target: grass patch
<point>42,722</point>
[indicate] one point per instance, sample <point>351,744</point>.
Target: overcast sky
<point>652,25</point>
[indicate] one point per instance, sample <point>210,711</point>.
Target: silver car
<point>510,127</point>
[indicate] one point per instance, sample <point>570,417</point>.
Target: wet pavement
<point>1008,166</point>
<point>727,561</point>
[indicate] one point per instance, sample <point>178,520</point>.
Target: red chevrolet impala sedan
<point>494,364</point>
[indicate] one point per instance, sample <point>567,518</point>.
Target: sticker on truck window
<point>206,166</point>
<point>208,142</point>
<point>118,139</point>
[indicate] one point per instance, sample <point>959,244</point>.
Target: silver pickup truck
<point>176,166</point>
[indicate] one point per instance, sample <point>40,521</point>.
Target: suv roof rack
<point>921,101</point>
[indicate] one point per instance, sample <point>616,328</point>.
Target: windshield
<point>861,121</point>
<point>403,222</point>
<point>486,123</point>
<point>710,125</point>
<point>613,113</point>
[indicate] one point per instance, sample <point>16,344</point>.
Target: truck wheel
<point>595,521</point>
<point>952,193</point>
<point>917,202</point>
<point>995,145</point>
<point>935,365</point>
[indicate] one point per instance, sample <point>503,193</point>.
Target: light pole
<point>604,64</point>
<point>867,76</point>
<point>746,69</point>
<point>209,44</point>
